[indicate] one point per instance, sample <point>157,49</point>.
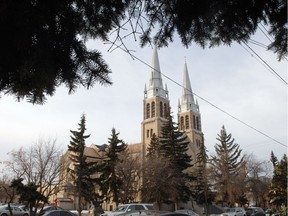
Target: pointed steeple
<point>155,86</point>
<point>187,99</point>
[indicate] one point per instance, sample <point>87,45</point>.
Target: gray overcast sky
<point>228,77</point>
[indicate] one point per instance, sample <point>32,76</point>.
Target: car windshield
<point>230,210</point>
<point>121,208</point>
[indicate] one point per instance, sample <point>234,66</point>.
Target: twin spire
<point>187,100</point>
<point>155,87</point>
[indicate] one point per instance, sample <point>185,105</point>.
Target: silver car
<point>234,212</point>
<point>16,211</point>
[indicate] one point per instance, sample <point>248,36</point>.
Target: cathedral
<point>156,105</point>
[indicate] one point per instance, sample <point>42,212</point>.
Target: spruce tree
<point>156,170</point>
<point>278,188</point>
<point>201,186</point>
<point>227,166</point>
<point>110,182</point>
<point>82,169</point>
<point>153,148</point>
<point>173,145</point>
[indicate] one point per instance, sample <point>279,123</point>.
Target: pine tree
<point>278,188</point>
<point>83,170</point>
<point>173,145</point>
<point>110,182</point>
<point>227,165</point>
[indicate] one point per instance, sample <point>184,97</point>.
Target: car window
<point>230,210</point>
<point>64,213</point>
<point>131,208</point>
<point>54,213</point>
<point>121,208</point>
<point>17,209</point>
<point>149,207</point>
<point>139,207</point>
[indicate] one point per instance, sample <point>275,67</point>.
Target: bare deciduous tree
<point>130,170</point>
<point>39,163</point>
<point>257,179</point>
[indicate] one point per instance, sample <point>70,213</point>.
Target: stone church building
<point>156,104</point>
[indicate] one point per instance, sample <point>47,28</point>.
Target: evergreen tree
<point>82,169</point>
<point>44,42</point>
<point>28,194</point>
<point>110,182</point>
<point>201,187</point>
<point>157,184</point>
<point>173,145</point>
<point>156,170</point>
<point>227,165</point>
<point>153,148</point>
<point>278,188</point>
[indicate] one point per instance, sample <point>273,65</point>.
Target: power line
<point>264,65</point>
<point>258,43</point>
<point>270,68</point>
<point>211,104</point>
<point>268,36</point>
<point>265,33</point>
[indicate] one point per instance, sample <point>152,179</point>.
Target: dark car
<point>48,208</point>
<point>255,211</point>
<point>58,213</point>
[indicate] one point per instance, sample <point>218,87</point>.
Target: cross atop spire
<point>187,99</point>
<point>155,86</point>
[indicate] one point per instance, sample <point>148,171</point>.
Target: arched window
<point>147,111</point>
<point>161,109</point>
<point>181,123</point>
<point>197,123</point>
<point>187,121</point>
<point>151,132</point>
<point>147,133</point>
<point>165,110</point>
<point>194,122</point>
<point>153,109</point>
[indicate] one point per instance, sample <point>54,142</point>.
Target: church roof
<point>155,85</point>
<point>187,99</point>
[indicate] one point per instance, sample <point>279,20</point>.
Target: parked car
<point>234,212</point>
<point>125,208</point>
<point>187,211</point>
<point>173,214</point>
<point>48,208</point>
<point>255,211</point>
<point>16,211</point>
<point>270,212</point>
<point>58,212</point>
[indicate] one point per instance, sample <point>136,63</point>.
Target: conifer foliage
<point>82,169</point>
<point>109,181</point>
<point>169,178</point>
<point>43,44</point>
<point>278,188</point>
<point>201,185</point>
<point>227,166</point>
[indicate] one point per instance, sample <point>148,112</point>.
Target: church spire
<point>187,99</point>
<point>155,86</point>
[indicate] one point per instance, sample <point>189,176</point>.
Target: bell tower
<point>189,117</point>
<point>155,105</point>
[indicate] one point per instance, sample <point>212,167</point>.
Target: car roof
<point>58,210</point>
